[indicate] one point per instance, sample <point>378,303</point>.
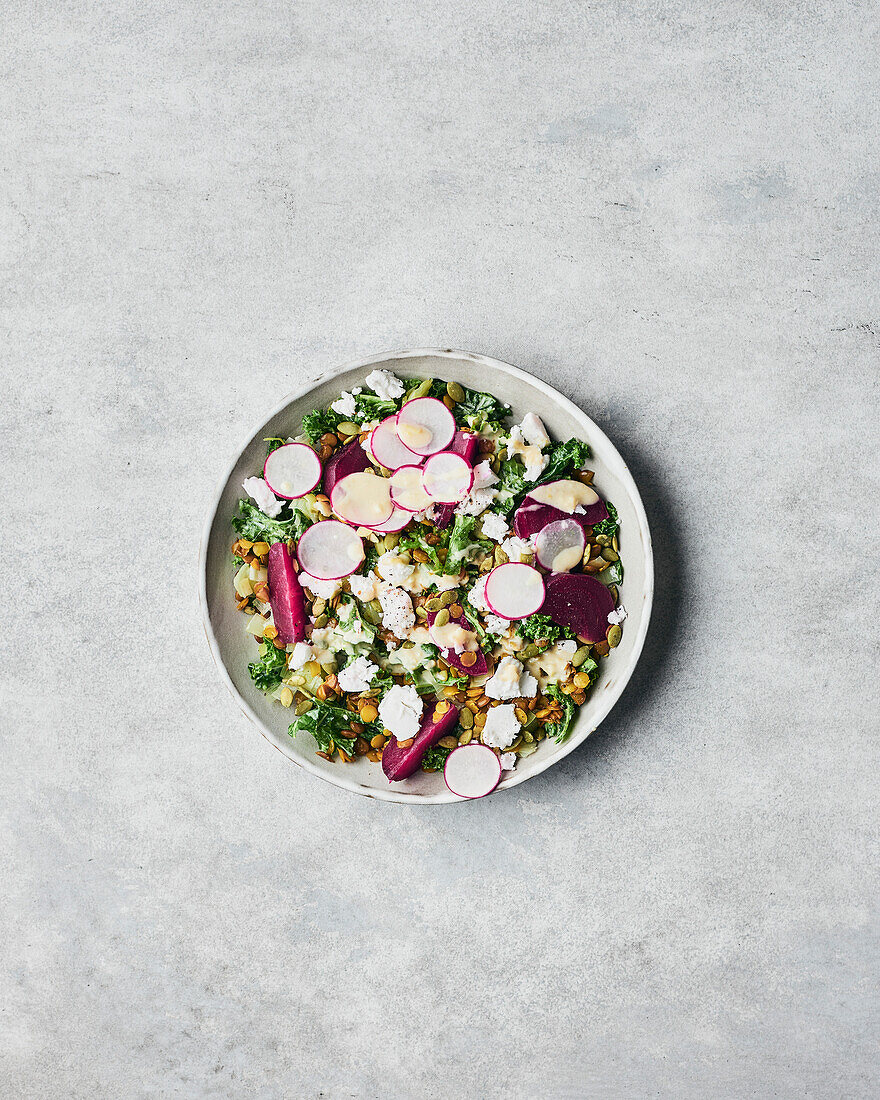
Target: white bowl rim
<point>577,738</point>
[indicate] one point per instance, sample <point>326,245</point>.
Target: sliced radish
<point>472,771</point>
<point>387,449</point>
<point>407,490</point>
<point>514,590</point>
<point>329,550</point>
<point>350,459</point>
<point>363,499</point>
<point>399,518</point>
<point>447,477</point>
<point>292,471</point>
<point>560,545</point>
<point>425,425</point>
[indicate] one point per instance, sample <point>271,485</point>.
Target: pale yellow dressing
<point>453,636</point>
<point>566,559</point>
<point>565,495</point>
<point>414,436</point>
<point>371,493</point>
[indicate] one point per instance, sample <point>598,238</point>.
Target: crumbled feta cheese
<point>476,502</point>
<point>401,711</point>
<point>507,760</point>
<point>391,567</point>
<point>441,583</point>
<point>262,496</point>
<point>495,526</point>
<point>300,655</point>
<point>518,549</point>
<point>496,625</point>
<point>358,675</point>
<point>527,440</point>
<point>533,429</point>
<point>617,616</point>
<point>511,681</point>
<point>385,385</point>
<point>397,611</point>
<point>483,476</point>
<point>345,404</point>
<point>364,588</point>
<point>501,728</point>
<point>477,595</point>
<point>429,515</point>
<point>326,590</point>
<point>553,663</point>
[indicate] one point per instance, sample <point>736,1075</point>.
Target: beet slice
<point>580,602</point>
<point>285,595</point>
<point>452,658</point>
<point>398,763</point>
<point>465,444</point>
<point>350,459</point>
<point>531,517</point>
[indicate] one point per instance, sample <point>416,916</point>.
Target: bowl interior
<point>233,648</point>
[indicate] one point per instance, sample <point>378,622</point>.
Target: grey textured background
<point>670,212</point>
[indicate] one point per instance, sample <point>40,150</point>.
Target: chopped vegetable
<point>252,524</point>
<point>267,673</point>
<point>541,628</point>
<point>400,763</point>
<point>559,730</point>
<point>286,596</point>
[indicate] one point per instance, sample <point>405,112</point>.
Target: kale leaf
<point>564,458</point>
<point>315,424</point>
<point>268,671</point>
<point>462,544</point>
<point>255,526</point>
<point>541,628</point>
<point>368,406</point>
<point>610,525</point>
<point>415,538</point>
<point>273,442</point>
<point>328,722</point>
<point>614,573</point>
<point>559,730</point>
<point>435,758</point>
<point>481,408</point>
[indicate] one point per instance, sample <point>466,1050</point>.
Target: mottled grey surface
<point>670,212</point>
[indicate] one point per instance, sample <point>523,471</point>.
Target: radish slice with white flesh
<point>407,490</point>
<point>363,499</point>
<point>447,477</point>
<point>399,518</point>
<point>329,550</point>
<point>560,545</point>
<point>514,590</point>
<point>472,771</point>
<point>425,425</point>
<point>387,449</point>
<point>292,470</point>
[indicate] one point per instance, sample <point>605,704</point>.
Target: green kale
<point>272,665</point>
<point>610,525</point>
<point>368,406</point>
<point>253,525</point>
<point>315,424</point>
<point>328,722</point>
<point>564,459</point>
<point>559,730</point>
<point>415,538</point>
<point>237,562</point>
<point>462,544</point>
<point>542,628</point>
<point>478,409</point>
<point>435,758</point>
<point>371,556</point>
<point>272,444</point>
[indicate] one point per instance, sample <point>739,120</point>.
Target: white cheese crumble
<point>477,595</point>
<point>507,760</point>
<point>483,476</point>
<point>617,616</point>
<point>385,385</point>
<point>325,590</point>
<point>401,712</point>
<point>527,440</point>
<point>501,728</point>
<point>553,663</point>
<point>533,429</point>
<point>358,675</point>
<point>476,502</point>
<point>344,404</point>
<point>511,681</point>
<point>397,611</point>
<point>518,549</point>
<point>391,567</point>
<point>496,625</point>
<point>495,527</point>
<point>364,588</point>
<point>300,655</point>
<point>262,496</point>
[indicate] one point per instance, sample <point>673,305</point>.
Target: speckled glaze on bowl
<point>233,648</point>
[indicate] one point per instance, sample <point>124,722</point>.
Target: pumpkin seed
<point>373,614</point>
<point>516,744</point>
<point>526,750</point>
<point>442,617</point>
<point>501,454</point>
<point>433,605</point>
<point>495,465</point>
<point>602,540</point>
<point>531,722</point>
<point>392,540</point>
<point>303,707</point>
<point>615,544</point>
<point>615,595</point>
<point>610,555</point>
<point>580,655</point>
<point>466,736</point>
<point>446,598</point>
<point>527,737</point>
<point>529,651</point>
<point>614,635</point>
<point>500,557</point>
<point>466,719</point>
<point>421,613</point>
<point>322,621</point>
<point>318,606</point>
<point>455,391</point>
<point>348,427</point>
<point>448,742</point>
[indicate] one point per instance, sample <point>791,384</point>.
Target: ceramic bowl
<point>233,648</point>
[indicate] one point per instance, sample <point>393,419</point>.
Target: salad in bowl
<point>428,584</point>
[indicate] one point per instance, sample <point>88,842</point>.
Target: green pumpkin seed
<point>614,635</point>
<point>501,454</point>
<point>527,737</point>
<point>442,617</point>
<point>421,613</point>
<point>615,595</point>
<point>303,707</point>
<point>348,427</point>
<point>391,541</point>
<point>466,736</point>
<point>328,667</point>
<point>466,718</point>
<point>602,540</point>
<point>322,621</point>
<point>318,606</point>
<point>580,655</point>
<point>446,598</point>
<point>529,651</point>
<point>495,465</point>
<point>610,555</point>
<point>500,557</point>
<point>433,605</point>
<point>516,744</point>
<point>531,722</point>
<point>297,680</point>
<point>526,750</point>
<point>455,391</point>
<point>448,742</point>
<point>372,612</point>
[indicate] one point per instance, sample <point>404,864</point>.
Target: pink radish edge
<point>493,607</point>
<point>466,469</point>
<point>476,771</point>
<point>445,423</point>
<point>398,503</point>
<point>320,530</point>
<point>388,428</point>
<point>314,484</point>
